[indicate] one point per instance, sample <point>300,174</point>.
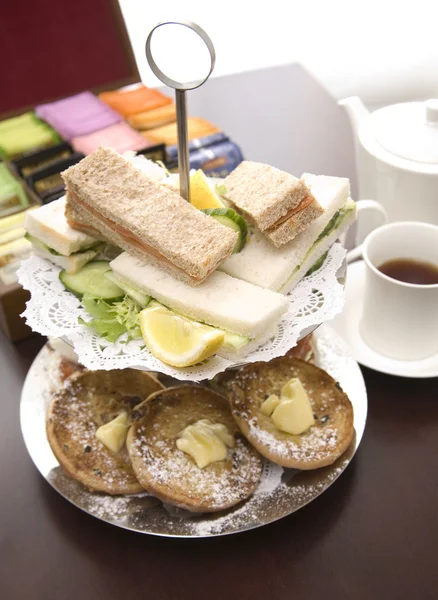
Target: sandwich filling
<point>305,202</point>
<point>72,262</point>
<point>42,246</point>
<point>126,236</point>
<point>335,223</point>
<point>279,269</point>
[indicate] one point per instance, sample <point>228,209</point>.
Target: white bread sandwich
<point>241,309</point>
<point>53,238</point>
<point>110,198</point>
<point>280,269</point>
<point>279,204</point>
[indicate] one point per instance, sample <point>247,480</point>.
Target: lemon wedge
<point>201,194</point>
<point>178,341</point>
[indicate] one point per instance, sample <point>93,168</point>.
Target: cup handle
<point>363,206</point>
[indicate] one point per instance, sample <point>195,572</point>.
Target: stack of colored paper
<point>24,133</point>
<point>13,246</point>
<point>12,195</point>
<point>196,128</point>
<point>120,137</point>
<point>144,108</point>
<point>134,101</point>
<point>78,115</point>
<point>156,117</point>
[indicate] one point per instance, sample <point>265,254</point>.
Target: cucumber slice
<point>91,280</point>
<point>39,244</point>
<point>139,297</point>
<point>229,218</point>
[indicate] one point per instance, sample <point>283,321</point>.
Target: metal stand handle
<point>181,104</point>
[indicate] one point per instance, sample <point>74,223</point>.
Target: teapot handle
<point>364,206</point>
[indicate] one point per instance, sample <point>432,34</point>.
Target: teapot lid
<point>409,130</point>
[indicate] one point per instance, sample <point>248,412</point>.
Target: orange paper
<point>154,118</point>
<point>131,102</point>
<point>167,134</point>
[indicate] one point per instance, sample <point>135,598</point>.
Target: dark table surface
<point>371,536</point>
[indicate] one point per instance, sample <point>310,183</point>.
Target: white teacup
<point>400,320</point>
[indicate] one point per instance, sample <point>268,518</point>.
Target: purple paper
<point>78,115</point>
<point>120,137</point>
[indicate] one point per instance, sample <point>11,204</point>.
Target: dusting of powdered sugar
<point>248,512</point>
<point>316,444</point>
<point>75,415</point>
<point>109,508</point>
<point>47,380</point>
<point>295,490</point>
<point>172,469</point>
<point>116,508</point>
<point>52,373</point>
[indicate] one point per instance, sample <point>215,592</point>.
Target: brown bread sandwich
<point>278,203</point>
<point>111,199</point>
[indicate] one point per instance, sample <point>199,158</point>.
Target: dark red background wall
<point>52,48</point>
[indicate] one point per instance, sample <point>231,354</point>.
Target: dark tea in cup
<point>410,271</point>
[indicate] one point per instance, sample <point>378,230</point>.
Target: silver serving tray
<point>145,514</point>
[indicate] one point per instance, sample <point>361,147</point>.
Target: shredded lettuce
<point>112,320</point>
<point>126,313</point>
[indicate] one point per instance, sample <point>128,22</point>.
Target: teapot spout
<point>356,111</point>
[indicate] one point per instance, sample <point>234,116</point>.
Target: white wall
<point>382,50</point>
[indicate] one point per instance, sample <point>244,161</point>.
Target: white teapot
<point>397,157</point>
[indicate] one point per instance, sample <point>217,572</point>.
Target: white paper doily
<point>54,312</point>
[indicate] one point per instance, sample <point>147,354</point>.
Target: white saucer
<point>347,325</point>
